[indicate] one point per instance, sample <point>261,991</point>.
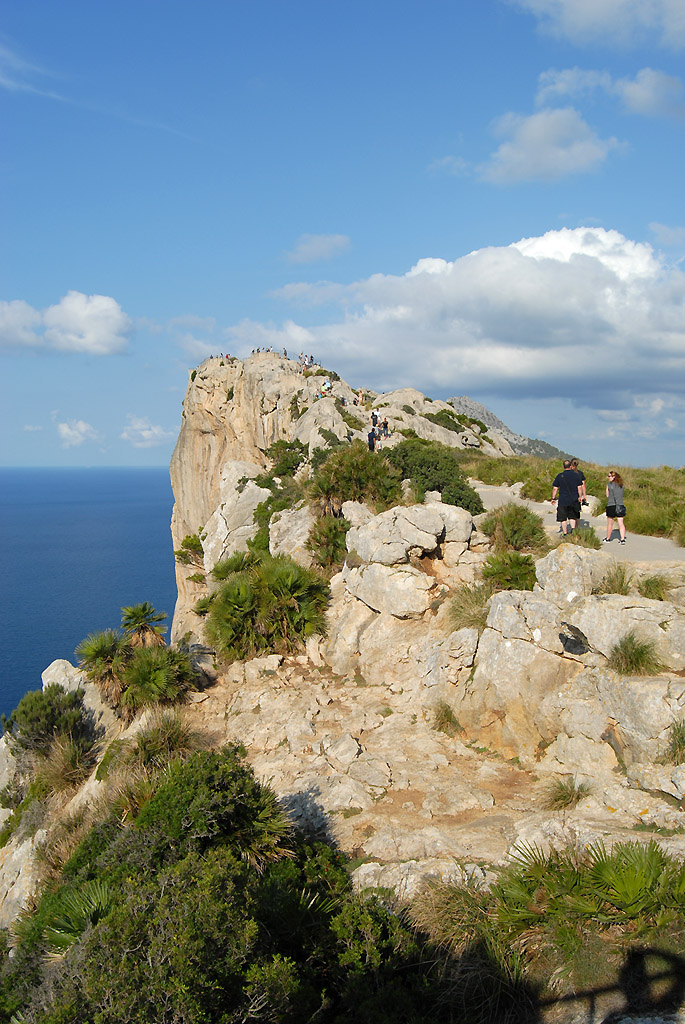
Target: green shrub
<point>284,496</point>
<point>287,457</point>
<point>432,466</point>
<point>155,675</point>
<point>355,474</point>
<point>409,409</point>
<point>515,526</point>
<point>444,418</point>
<point>140,625</point>
<point>190,551</point>
<point>165,737</point>
<point>509,570</point>
<point>469,606</point>
<point>273,606</point>
<point>42,715</point>
<point>103,656</point>
<point>634,657</point>
<point>326,541</point>
<point>655,588</point>
<point>566,793</point>
<point>352,421</point>
<point>617,580</point>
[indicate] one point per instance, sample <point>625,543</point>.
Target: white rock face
<point>605,619</point>
<point>289,532</point>
<point>232,524</point>
<point>569,572</point>
<point>400,590</point>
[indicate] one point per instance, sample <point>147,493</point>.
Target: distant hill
<point>521,445</point>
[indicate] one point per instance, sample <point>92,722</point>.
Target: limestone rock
<point>569,572</point>
<point>391,537</point>
<point>607,618</point>
<point>19,876</point>
<point>289,532</point>
<point>232,524</point>
<point>403,591</point>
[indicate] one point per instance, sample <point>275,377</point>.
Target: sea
<point>77,546</point>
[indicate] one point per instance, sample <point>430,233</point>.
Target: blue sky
<point>477,197</point>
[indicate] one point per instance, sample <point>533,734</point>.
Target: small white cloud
<point>546,146</point>
<point>18,324</point>
<point>611,21</point>
<point>652,93</point>
<point>75,432</point>
<point>86,323</point>
<point>553,84</point>
<point>143,434</point>
<point>31,427</point>
<point>317,248</point>
<point>18,75</point>
<point>454,165</point>
<point>667,235</point>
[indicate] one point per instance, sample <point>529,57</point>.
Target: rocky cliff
<point>423,747</point>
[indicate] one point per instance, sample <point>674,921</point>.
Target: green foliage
<point>35,793</point>
<point>155,675</point>
<point>444,418</point>
<point>239,561</point>
<point>617,580</point>
<point>284,495</point>
<point>352,421</point>
<point>445,720</point>
<point>229,394</point>
<point>43,715</point>
<point>469,606</point>
<point>432,466</point>
<point>74,912</point>
<point>140,623</point>
<point>676,742</point>
<point>353,473</point>
<point>656,587</point>
<point>566,793</point>
<point>287,457</point>
<point>409,409</point>
<point>65,765</point>
<point>193,375</point>
<point>326,541</point>
<point>190,551</point>
<point>272,605</point>
<point>509,570</point>
<point>583,537</point>
<point>103,657</point>
<point>634,657</point>
<point>515,527</point>
<point>165,737</point>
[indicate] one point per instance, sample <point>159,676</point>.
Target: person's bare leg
<point>610,528</point>
<point>622,529</point>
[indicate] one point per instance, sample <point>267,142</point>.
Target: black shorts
<point>615,511</point>
<point>565,512</point>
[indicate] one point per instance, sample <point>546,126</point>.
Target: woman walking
<point>615,507</point>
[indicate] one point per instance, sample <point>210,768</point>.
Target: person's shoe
<point>622,542</point>
<point>583,503</point>
<point>606,540</point>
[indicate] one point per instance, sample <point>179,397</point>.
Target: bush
<point>509,570</point>
<point>275,605</point>
<point>432,466</point>
<point>584,537</point>
<point>326,541</point>
<point>655,588</point>
<point>515,526</point>
<point>287,457</point>
<point>43,715</point>
<point>155,675</point>
<point>103,657</point>
<point>617,580</point>
<point>634,657</point>
<point>165,737</point>
<point>566,793</point>
<point>444,418</point>
<point>355,474</point>
<point>190,551</point>
<point>350,420</point>
<point>65,765</point>
<point>469,606</point>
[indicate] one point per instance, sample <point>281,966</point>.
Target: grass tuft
<point>583,537</point>
<point>617,580</point>
<point>563,794</point>
<point>469,606</point>
<point>515,527</point>
<point>634,657</point>
<point>509,570</point>
<point>676,742</point>
<point>655,588</point>
<point>445,720</point>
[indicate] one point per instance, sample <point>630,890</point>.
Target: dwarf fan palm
<point>140,624</point>
<point>155,675</point>
<point>103,657</point>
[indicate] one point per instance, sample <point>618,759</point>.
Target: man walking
<point>569,486</point>
<point>583,487</point>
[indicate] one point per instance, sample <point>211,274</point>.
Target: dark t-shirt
<point>568,483</point>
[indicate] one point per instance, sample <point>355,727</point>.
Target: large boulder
<point>289,532</point>
<point>570,571</point>
<point>394,536</point>
<point>401,590</point>
<point>605,619</point>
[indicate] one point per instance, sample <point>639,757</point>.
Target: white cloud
<point>545,146</point>
<point>143,434</point>
<point>86,323</point>
<point>650,93</point>
<point>18,324</point>
<point>611,21</point>
<point>75,432</point>
<point>318,248</point>
<point>582,314</point>
<point>95,324</point>
<point>17,74</point>
<point>667,235</point>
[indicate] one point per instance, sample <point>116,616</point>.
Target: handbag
<point>620,511</point>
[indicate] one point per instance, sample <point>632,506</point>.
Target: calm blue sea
<point>77,545</point>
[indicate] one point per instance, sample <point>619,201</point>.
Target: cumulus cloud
<point>545,146</point>
<point>143,434</point>
<point>650,93</point>
<point>75,432</point>
<point>618,21</point>
<point>585,315</point>
<point>318,248</point>
<point>94,324</point>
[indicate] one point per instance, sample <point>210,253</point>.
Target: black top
<point>568,483</point>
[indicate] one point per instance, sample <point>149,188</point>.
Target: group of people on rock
<point>378,433</point>
<point>571,488</point>
<point>305,362</point>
